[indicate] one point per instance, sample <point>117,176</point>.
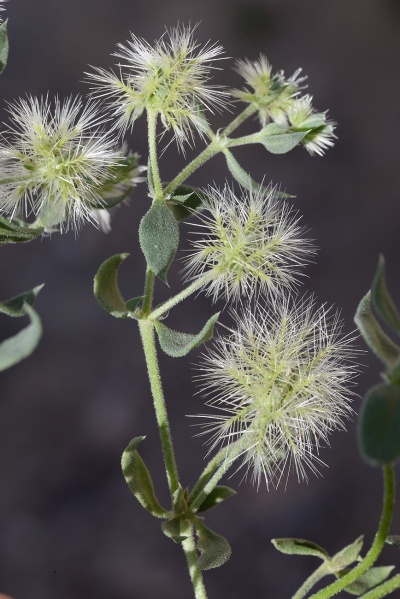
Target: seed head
<point>279,384</point>
<point>302,116</point>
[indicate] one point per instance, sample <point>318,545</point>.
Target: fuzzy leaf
<point>214,549</point>
<point>277,139</point>
<point>172,529</point>
<point>370,579</point>
<point>133,303</point>
<point>382,300</point>
<point>16,306</point>
<point>379,425</point>
<point>21,345</point>
<point>376,339</point>
<point>393,540</point>
<point>139,480</point>
<point>106,288</point>
<point>177,344</point>
<point>12,232</point>
<point>185,201</point>
<point>346,556</point>
<point>3,46</point>
<point>217,495</point>
<point>299,547</point>
<point>159,238</point>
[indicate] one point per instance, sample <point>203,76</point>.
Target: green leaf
<point>217,495</point>
<point>133,303</point>
<point>3,46</point>
<point>177,344</point>
<point>346,556</point>
<point>299,547</point>
<point>277,139</point>
<point>21,345</point>
<point>16,306</point>
<point>180,500</point>
<point>370,579</point>
<point>238,173</point>
<point>214,549</point>
<point>382,300</point>
<point>376,339</point>
<point>139,480</point>
<point>379,425</point>
<point>106,288</point>
<point>172,529</point>
<point>12,232</point>
<point>159,238</point>
<point>393,540</point>
<point>185,201</point>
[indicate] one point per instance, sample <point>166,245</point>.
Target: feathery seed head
<point>171,77</point>
<point>253,241</point>
<point>279,384</point>
<point>302,116</point>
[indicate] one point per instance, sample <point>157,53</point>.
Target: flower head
<point>302,116</point>
<point>171,78</point>
<point>253,242</point>
<point>55,161</point>
<point>279,384</point>
<point>270,93</point>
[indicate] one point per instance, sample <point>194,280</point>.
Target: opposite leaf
<point>382,300</point>
<point>21,345</point>
<point>106,288</point>
<point>139,480</point>
<point>300,547</point>
<point>11,232</point>
<point>369,580</point>
<point>172,529</point>
<point>3,46</point>
<point>177,344</point>
<point>214,549</point>
<point>277,139</point>
<point>159,238</point>
<point>16,306</point>
<point>217,495</point>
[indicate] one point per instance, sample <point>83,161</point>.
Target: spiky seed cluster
<point>253,242</point>
<point>302,116</point>
<point>54,160</point>
<point>171,77</point>
<point>270,93</point>
<point>279,384</point>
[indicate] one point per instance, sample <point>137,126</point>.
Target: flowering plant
<point>278,382</point>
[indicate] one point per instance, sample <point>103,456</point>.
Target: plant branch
<point>152,139</point>
<point>189,548</point>
<point>312,580</point>
<point>243,116</point>
<point>176,299</point>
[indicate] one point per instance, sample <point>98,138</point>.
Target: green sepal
<point>176,344</point>
<point>299,547</point>
<point>16,306</point>
<point>106,288</point>
<point>278,139</point>
<point>185,201</point>
<point>382,300</point>
<point>159,238</point>
<point>3,46</point>
<point>21,345</point>
<point>217,495</point>
<point>376,339</point>
<point>369,580</point>
<point>214,549</point>
<point>379,425</point>
<point>139,480</point>
<point>346,556</point>
<point>393,540</point>
<point>12,232</point>
<point>172,529</point>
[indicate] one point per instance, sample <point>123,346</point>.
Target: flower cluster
<point>302,117</point>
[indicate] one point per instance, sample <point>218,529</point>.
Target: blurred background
<point>69,527</point>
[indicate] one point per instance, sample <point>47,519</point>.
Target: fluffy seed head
<point>247,242</point>
<point>302,116</point>
<point>171,77</point>
<point>279,386</point>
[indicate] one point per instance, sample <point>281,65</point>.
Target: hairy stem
<point>210,151</point>
<point>152,139</point>
<point>173,301</point>
<point>383,589</point>
<point>148,292</point>
<point>312,580</point>
<point>189,548</point>
<point>243,116</point>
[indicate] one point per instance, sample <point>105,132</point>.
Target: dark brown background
<point>69,527</point>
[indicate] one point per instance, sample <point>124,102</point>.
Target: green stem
<point>312,580</point>
<point>210,469</point>
<point>148,292</point>
<point>243,116</point>
<point>254,138</point>
<point>383,589</point>
<point>173,301</point>
<point>377,545</point>
<point>189,547</point>
<point>148,339</point>
<point>210,151</point>
<point>15,179</point>
<point>152,138</point>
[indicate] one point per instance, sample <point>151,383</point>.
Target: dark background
<point>69,527</point>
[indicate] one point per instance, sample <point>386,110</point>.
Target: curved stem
<point>383,589</point>
<point>209,470</point>
<point>312,580</point>
<point>244,115</point>
<point>189,548</point>
<point>377,545</point>
<point>152,138</point>
<point>173,301</point>
<point>210,151</point>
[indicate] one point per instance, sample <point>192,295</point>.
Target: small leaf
<point>217,495</point>
<point>139,480</point>
<point>277,139</point>
<point>21,345</point>
<point>3,46</point>
<point>177,344</point>
<point>159,238</point>
<point>16,306</point>
<point>376,339</point>
<point>379,425</point>
<point>393,540</point>
<point>180,500</point>
<point>382,300</point>
<point>299,547</point>
<point>346,556</point>
<point>185,201</point>
<point>106,288</point>
<point>172,529</point>
<point>133,303</point>
<point>12,232</point>
<point>238,173</point>
<point>214,549</point>
<point>370,579</point>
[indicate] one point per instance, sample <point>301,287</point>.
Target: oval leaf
<point>382,300</point>
<point>12,232</point>
<point>176,344</point>
<point>159,238</point>
<point>299,547</point>
<point>139,480</point>
<point>369,580</point>
<point>217,495</point>
<point>106,288</point>
<point>16,306</point>
<point>3,46</point>
<point>21,345</point>
<point>172,529</point>
<point>346,556</point>
<point>379,425</point>
<point>214,549</point>
<point>280,140</point>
